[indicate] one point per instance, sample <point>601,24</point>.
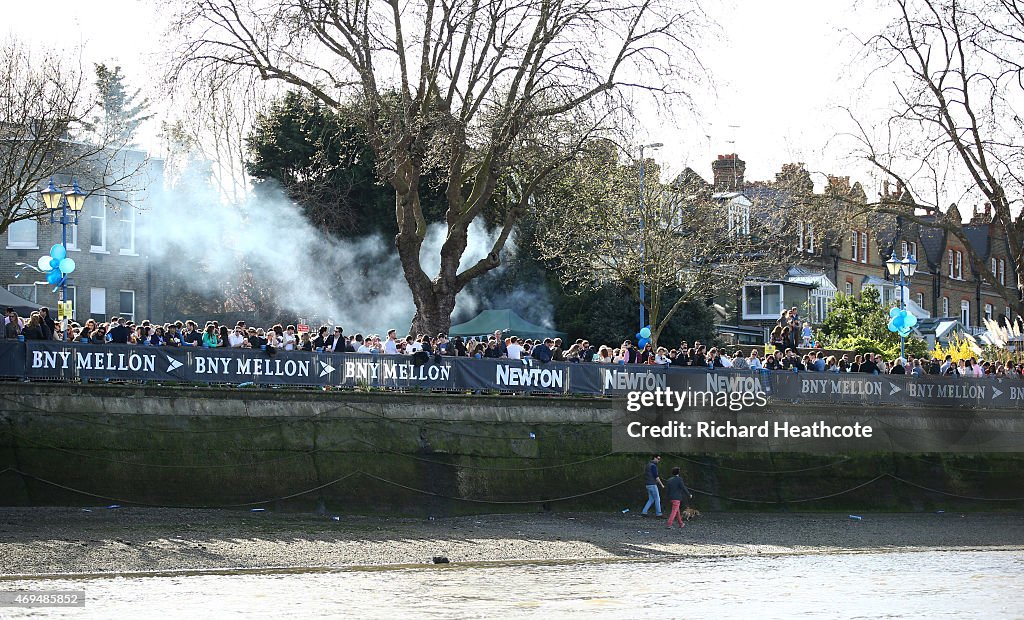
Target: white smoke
<point>357,284</point>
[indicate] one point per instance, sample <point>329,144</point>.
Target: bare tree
<point>683,240</point>
<point>214,109</point>
<point>44,105</point>
<point>957,128</point>
<point>457,86</point>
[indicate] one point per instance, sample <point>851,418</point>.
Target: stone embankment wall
<point>423,454</point>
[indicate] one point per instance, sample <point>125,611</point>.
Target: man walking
<point>676,492</point>
<point>652,482</point>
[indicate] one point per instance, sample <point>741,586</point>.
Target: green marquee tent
<point>510,323</point>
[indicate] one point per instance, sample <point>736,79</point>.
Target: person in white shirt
<point>412,345</point>
<point>288,338</point>
<point>236,337</point>
<point>754,361</point>
<point>390,346</point>
<point>515,349</point>
<point>661,358</point>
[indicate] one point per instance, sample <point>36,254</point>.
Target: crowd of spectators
<point>40,326</point>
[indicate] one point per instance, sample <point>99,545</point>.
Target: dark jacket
<point>119,334</point>
<point>33,333</point>
<point>541,353</point>
<point>677,489</point>
<point>651,473</point>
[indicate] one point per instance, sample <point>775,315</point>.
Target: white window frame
<point>965,312</point>
<point>72,244</point>
<point>128,315</point>
<point>23,245</point>
<point>945,307</point>
<point>739,218</point>
<point>855,238</point>
<point>913,248</point>
<point>920,299</point>
<point>762,315</point>
<point>33,286</point>
<point>904,246</point>
<point>127,216</point>
<point>864,246</point>
<point>849,288</point>
<point>993,267</point>
<point>950,258</point>
<point>98,217</point>
<point>810,237</point>
<point>821,303</point>
<point>959,265</point>
<point>1006,312</point>
<point>101,295</point>
<point>1002,272</point>
<point>799,236</point>
<point>988,311</point>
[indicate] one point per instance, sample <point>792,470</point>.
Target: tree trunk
<point>433,312</point>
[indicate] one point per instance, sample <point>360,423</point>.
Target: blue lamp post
<point>905,269</point>
<point>72,200</point>
<point>643,216</point>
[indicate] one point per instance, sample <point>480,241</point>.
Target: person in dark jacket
<point>119,334</point>
<point>49,326</point>
<point>542,352</point>
<point>652,481</point>
<point>677,492</point>
<point>34,328</point>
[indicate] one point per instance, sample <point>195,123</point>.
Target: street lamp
<point>643,244</point>
<point>54,200</point>
<point>905,269</point>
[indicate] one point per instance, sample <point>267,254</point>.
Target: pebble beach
<point>86,541</point>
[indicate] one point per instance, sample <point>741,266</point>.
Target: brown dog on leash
<point>690,513</point>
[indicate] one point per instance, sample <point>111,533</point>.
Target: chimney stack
<point>728,171</point>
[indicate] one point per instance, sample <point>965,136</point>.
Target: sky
<point>781,69</point>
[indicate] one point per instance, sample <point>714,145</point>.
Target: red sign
<point>303,328</point>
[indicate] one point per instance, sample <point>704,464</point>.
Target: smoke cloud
<point>357,284</point>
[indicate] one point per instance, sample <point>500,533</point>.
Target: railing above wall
<point>57,361</point>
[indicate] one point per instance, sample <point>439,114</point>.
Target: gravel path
<point>101,540</point>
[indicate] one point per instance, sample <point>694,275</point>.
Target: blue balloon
<point>638,336</point>
<point>54,263</point>
<point>905,332</point>
<point>59,252</point>
<point>67,265</point>
<point>54,276</point>
<point>643,342</point>
<point>645,332</point>
<point>910,321</point>
<point>893,311</point>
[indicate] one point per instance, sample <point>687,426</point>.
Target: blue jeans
<point>653,499</point>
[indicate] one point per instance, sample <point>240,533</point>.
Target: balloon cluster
<point>643,336</point>
<point>56,265</point>
<point>901,322</point>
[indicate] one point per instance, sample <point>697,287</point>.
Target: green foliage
<point>608,315</point>
<point>861,316</point>
<point>323,159</point>
<point>122,111</point>
<point>861,324</point>
<point>914,346</point>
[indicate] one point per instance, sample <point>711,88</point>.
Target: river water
<point>955,584</point>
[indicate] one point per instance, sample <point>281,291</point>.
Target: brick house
<point>113,275</point>
<point>852,252</point>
